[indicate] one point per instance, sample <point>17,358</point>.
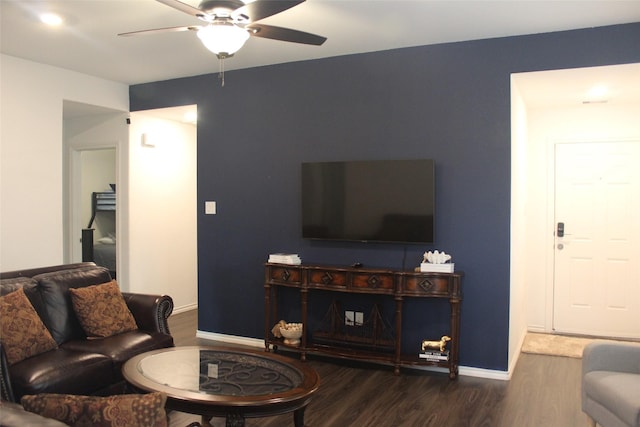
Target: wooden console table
<point>395,284</point>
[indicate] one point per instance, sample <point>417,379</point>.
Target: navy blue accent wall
<point>448,102</point>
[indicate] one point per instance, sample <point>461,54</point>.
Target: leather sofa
<point>79,365</point>
<point>611,384</point>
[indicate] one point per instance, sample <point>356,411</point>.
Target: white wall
<point>162,211</point>
<point>519,221</point>
<point>31,155</point>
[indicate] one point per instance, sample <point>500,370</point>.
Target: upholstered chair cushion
<point>102,310</point>
<point>22,332</point>
<point>140,410</point>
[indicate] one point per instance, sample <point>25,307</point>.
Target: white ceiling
<point>87,42</point>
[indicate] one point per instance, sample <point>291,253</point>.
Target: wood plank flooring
<point>544,392</point>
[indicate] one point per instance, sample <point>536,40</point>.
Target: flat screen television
<point>369,201</point>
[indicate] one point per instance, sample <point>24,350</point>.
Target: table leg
<point>298,417</point>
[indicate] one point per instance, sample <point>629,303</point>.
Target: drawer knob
<point>426,285</point>
<point>373,281</point>
<point>327,278</point>
<point>286,275</point>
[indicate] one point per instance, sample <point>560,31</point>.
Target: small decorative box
<point>427,267</point>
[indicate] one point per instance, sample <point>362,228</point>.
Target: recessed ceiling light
<point>598,91</point>
<point>51,19</point>
<point>597,95</point>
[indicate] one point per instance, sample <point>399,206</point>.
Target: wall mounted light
<point>145,141</point>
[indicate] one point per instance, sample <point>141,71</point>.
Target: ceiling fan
<point>229,23</point>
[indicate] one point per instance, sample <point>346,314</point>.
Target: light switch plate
<point>210,208</point>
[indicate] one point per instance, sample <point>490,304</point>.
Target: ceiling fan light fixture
<point>223,38</point>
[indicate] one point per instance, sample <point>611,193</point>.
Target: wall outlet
<point>212,370</point>
<point>359,319</point>
<point>349,318</point>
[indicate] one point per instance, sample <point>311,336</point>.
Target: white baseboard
<point>462,370</point>
<point>231,339</point>
<point>489,374</point>
<point>182,309</point>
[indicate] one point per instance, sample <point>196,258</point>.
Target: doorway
<point>94,140</point>
<point>98,207</point>
<point>156,190</point>
<point>548,108</point>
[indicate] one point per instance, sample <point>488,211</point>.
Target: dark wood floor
<point>544,391</point>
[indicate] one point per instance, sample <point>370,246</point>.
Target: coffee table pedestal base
<point>237,420</point>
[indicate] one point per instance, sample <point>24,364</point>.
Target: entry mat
<point>556,345</point>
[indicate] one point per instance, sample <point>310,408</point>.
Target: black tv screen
<point>369,201</point>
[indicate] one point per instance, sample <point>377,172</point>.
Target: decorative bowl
<point>291,333</point>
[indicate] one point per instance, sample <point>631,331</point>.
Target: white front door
<point>597,261</point>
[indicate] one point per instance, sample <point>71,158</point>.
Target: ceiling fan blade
<point>284,34</point>
<point>261,9</point>
<point>183,7</point>
<point>160,30</point>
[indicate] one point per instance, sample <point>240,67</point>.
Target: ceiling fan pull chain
<point>221,74</point>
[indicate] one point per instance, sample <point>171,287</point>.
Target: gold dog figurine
<point>441,345</point>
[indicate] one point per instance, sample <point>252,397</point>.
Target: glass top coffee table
<point>225,382</point>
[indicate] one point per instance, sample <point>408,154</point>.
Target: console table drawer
<point>373,281</point>
<point>328,278</point>
<point>282,274</point>
<point>428,286</point>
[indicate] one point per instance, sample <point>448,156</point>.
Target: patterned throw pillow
<point>21,331</point>
<point>140,410</point>
<point>101,310</point>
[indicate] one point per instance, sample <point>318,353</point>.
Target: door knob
<point>560,229</point>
